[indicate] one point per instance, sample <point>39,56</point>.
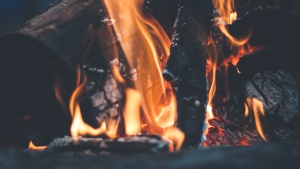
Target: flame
<point>257,107</point>
<point>142,40</point>
<point>146,46</point>
<point>78,126</point>
<point>225,14</point>
<point>31,146</point>
<point>132,112</point>
<point>225,9</point>
<point>176,137</point>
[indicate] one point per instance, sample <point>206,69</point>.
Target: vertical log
<point>186,67</point>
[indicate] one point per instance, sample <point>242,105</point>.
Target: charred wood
<point>186,67</point>
<point>97,146</point>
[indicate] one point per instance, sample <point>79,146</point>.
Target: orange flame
<point>132,112</point>
<point>146,47</point>
<point>31,146</point>
<point>226,10</point>
<point>79,127</point>
<point>257,107</point>
<point>147,106</point>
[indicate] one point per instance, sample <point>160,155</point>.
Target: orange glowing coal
<point>146,47</point>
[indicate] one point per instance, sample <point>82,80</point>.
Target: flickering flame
<point>132,112</point>
<point>79,127</point>
<point>176,137</point>
<point>225,9</point>
<point>146,47</point>
<point>147,106</point>
<point>167,116</point>
<point>211,68</point>
<point>256,106</point>
<point>31,146</point>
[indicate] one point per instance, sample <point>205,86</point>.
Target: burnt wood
<point>186,67</point>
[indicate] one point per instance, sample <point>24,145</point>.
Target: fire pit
<point>113,78</point>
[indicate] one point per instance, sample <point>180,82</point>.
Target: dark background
<point>15,12</point>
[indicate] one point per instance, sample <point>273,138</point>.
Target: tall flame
<point>150,105</point>
<point>225,14</point>
<point>146,47</point>
<point>257,107</point>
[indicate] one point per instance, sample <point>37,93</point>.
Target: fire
<point>151,105</point>
<point>79,127</point>
<point>256,106</point>
<point>31,146</point>
<point>132,112</point>
<point>225,9</point>
<point>225,15</point>
<point>144,41</point>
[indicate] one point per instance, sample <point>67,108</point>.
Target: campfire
<point>110,76</point>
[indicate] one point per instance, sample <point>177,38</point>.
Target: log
<point>45,52</point>
<point>42,56</point>
<point>96,146</point>
<point>186,67</point>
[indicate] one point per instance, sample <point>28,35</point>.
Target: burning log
<point>186,67</point>
<point>45,52</point>
<point>98,146</point>
<point>267,82</point>
<point>68,43</point>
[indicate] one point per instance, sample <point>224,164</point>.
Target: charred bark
<point>186,67</point>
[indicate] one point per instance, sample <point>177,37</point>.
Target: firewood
<point>186,67</point>
<point>123,145</point>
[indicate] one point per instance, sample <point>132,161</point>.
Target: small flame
<point>225,9</point>
<point>176,137</point>
<point>257,107</point>
<point>79,127</point>
<point>132,112</point>
<point>31,146</point>
<point>168,115</point>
